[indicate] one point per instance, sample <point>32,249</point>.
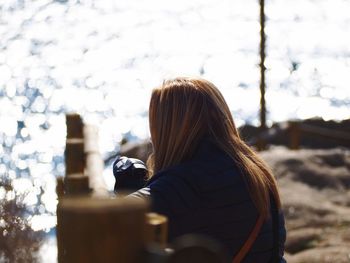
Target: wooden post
<point>74,156</point>
<point>60,187</point>
<point>75,182</point>
<point>157,229</point>
<point>94,163</point>
<point>261,141</point>
<point>100,230</point>
<point>294,133</point>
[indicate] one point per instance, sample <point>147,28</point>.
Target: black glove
<point>130,174</point>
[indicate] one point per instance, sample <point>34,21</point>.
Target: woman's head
<point>181,112</point>
<point>184,110</point>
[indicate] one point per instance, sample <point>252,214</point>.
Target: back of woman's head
<point>181,112</point>
<point>184,110</point>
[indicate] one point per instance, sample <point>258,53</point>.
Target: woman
<point>205,179</point>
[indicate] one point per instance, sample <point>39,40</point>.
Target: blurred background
<point>101,59</point>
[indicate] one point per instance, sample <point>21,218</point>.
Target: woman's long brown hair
<point>181,112</point>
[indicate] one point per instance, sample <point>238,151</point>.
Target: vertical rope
<point>262,66</point>
<point>261,144</point>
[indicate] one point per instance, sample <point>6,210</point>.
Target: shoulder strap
<point>249,242</point>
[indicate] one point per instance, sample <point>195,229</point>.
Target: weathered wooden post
<point>94,163</point>
<point>60,187</point>
<point>101,230</point>
<point>94,226</point>
<point>75,181</point>
<point>157,229</point>
<point>294,134</point>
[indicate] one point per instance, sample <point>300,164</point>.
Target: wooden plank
<point>74,156</point>
<point>76,184</point>
<point>91,138</point>
<point>324,132</point>
<point>94,163</point>
<point>94,171</point>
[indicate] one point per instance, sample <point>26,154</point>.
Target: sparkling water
<point>101,58</point>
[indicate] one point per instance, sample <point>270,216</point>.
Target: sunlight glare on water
<point>101,58</point>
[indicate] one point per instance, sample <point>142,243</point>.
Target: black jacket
<point>207,195</point>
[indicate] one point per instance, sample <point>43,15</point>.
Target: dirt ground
<point>315,189</point>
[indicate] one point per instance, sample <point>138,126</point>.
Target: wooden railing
<point>297,132</point>
<point>297,129</point>
<point>93,225</point>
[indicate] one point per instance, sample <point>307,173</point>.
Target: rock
<point>315,198</point>
<point>318,168</point>
<point>338,254</point>
<point>301,239</point>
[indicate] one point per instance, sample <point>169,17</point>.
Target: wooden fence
<point>296,131</point>
<point>92,224</point>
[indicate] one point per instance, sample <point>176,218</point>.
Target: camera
<point>130,174</point>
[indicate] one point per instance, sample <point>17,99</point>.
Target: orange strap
<point>249,242</point>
